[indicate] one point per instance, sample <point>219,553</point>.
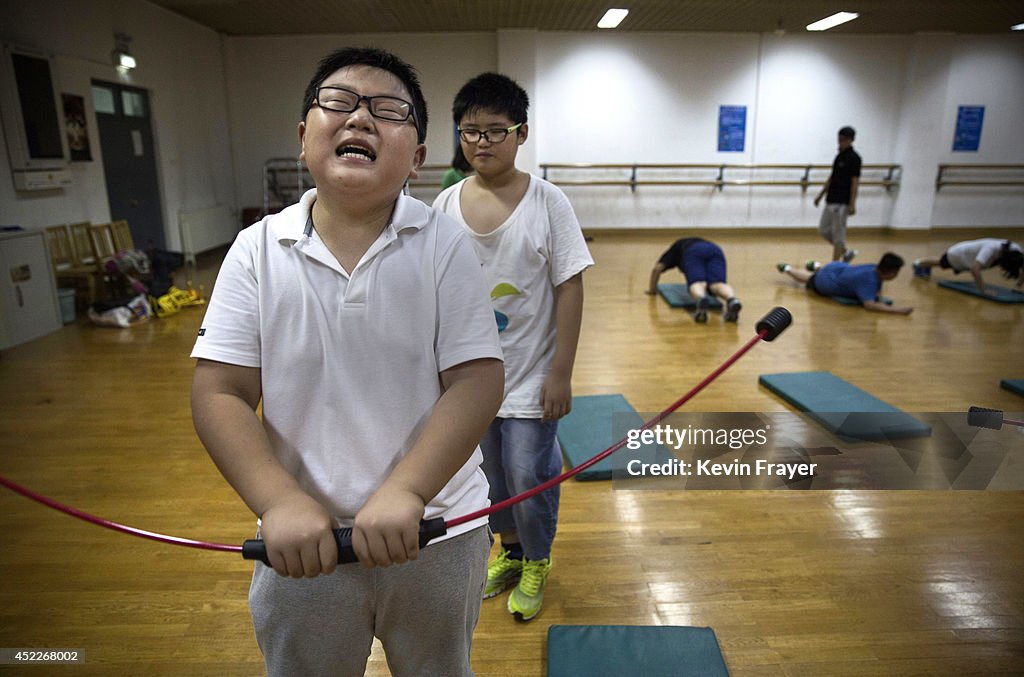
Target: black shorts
<point>810,285</point>
<point>944,262</point>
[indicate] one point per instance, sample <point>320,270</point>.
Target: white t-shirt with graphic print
<point>537,248</point>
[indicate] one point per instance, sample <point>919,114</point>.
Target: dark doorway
<point>129,160</point>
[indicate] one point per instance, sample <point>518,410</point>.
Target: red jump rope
<point>768,328</point>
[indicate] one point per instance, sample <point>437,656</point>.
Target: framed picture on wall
<point>74,124</point>
<point>967,137</point>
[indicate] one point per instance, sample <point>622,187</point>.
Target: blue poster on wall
<point>732,128</point>
<point>968,128</point>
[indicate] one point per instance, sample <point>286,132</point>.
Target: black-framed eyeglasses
<point>489,135</point>
<point>342,100</point>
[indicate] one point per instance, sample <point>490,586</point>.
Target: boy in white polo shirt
<point>359,317</point>
<point>533,253</point>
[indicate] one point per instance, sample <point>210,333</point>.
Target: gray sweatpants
<point>423,612</point>
<point>832,225</point>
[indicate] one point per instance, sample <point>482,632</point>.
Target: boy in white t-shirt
<point>975,256</point>
<point>533,254</point>
<point>360,319</point>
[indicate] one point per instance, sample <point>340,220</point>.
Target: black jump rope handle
<point>980,417</point>
<point>429,530</point>
<point>774,323</point>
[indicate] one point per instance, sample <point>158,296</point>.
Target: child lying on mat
<point>975,256</point>
<point>863,282</point>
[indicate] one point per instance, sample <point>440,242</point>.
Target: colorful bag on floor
<point>123,313</point>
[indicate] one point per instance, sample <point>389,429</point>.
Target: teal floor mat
<point>595,423</point>
<point>1014,385</point>
<point>995,292</point>
<point>626,650</point>
<point>847,301</point>
<point>677,296</point>
<point>842,407</point>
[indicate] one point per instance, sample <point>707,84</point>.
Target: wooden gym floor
<point>793,583</point>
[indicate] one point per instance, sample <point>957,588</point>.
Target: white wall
<point>990,73</point>
<point>517,58</point>
<point>223,106</point>
<point>180,63</point>
<point>654,98</point>
<point>267,77</point>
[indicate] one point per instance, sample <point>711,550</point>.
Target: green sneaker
<point>502,573</point>
<point>524,602</point>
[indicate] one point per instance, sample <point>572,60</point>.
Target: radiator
<point>205,229</point>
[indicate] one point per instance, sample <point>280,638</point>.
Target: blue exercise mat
<point>595,423</point>
<point>1000,295</point>
<point>1014,385</point>
<point>842,407</point>
<point>677,296</point>
<point>620,650</point>
<point>847,301</point>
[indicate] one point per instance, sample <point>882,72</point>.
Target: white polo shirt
<point>350,362</point>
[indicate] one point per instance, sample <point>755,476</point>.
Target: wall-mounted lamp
<point>124,61</point>
<point>122,52</point>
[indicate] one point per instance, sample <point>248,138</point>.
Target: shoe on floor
<point>850,255</point>
<point>525,601</point>
<point>701,315</point>
<point>502,573</point>
<point>732,310</point>
<point>812,265</point>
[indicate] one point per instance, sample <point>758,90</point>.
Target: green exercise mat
<point>677,296</point>
<point>842,407</point>
<point>595,423</point>
<point>847,301</point>
<point>994,293</point>
<point>1014,385</point>
<point>627,650</point>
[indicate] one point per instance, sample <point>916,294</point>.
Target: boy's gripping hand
<point>387,528</point>
<point>298,536</point>
<point>556,396</point>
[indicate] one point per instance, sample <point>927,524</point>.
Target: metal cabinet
<point>29,307</point>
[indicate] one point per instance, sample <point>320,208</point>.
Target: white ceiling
<point>298,17</point>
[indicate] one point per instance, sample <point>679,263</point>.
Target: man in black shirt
<point>840,193</point>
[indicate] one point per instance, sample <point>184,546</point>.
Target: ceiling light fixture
<point>832,21</point>
<point>612,18</point>
<point>1017,27</point>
